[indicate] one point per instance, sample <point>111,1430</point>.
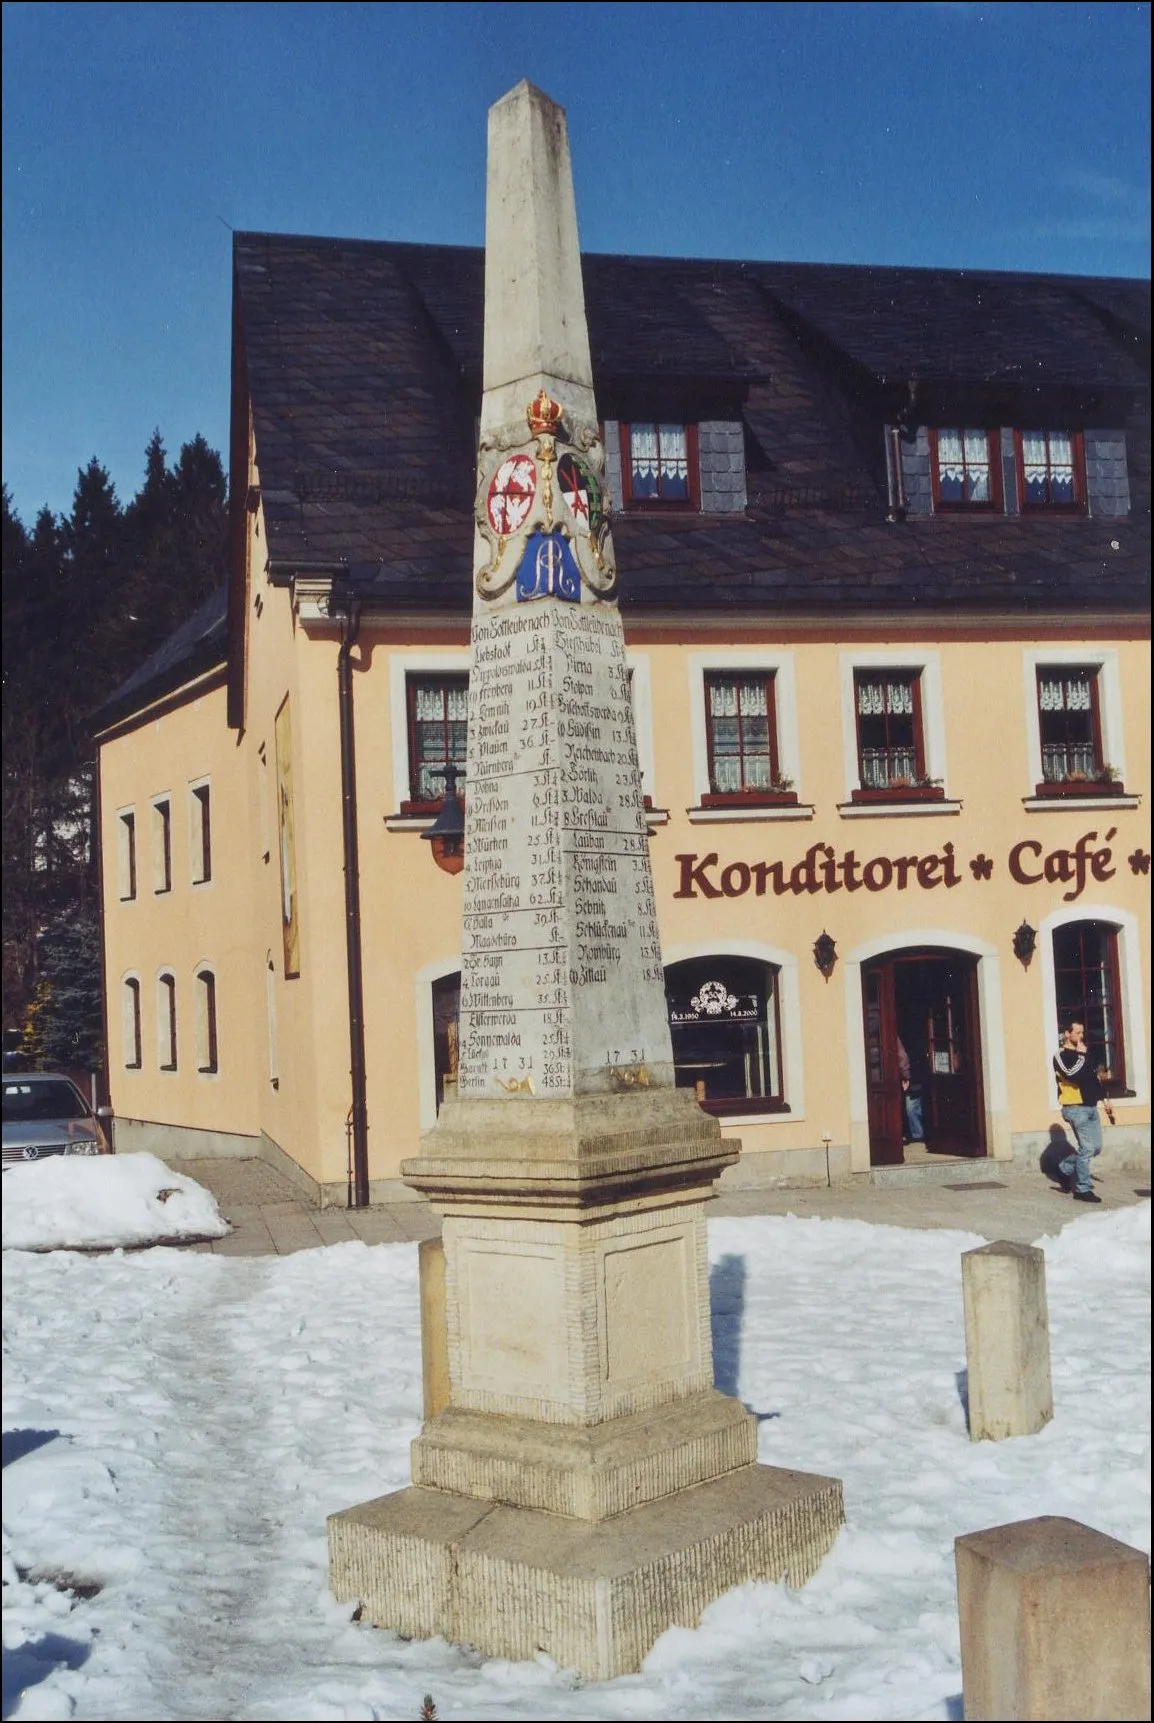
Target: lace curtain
<point>726,698</point>
<point>964,464</point>
<point>643,450</point>
<point>1065,694</point>
<point>434,705</point>
<point>659,456</point>
<point>1048,466</point>
<point>881,699</point>
<point>739,725</point>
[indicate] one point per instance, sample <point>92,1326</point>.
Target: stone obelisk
<point>586,1487</point>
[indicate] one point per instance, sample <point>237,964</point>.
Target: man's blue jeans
<point>1087,1128</point>
<point>915,1129</point>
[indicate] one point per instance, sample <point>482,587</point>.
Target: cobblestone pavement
<point>269,1218</point>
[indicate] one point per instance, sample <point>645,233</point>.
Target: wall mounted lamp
<point>447,832</point>
<point>1025,943</point>
<point>824,954</point>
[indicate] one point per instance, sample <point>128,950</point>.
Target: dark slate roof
<point>363,368</point>
<point>198,645</point>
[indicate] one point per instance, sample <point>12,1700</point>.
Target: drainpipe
<point>896,510</point>
<point>358,1113</point>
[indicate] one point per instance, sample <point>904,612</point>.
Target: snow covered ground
<point>104,1200</point>
<point>182,1423</point>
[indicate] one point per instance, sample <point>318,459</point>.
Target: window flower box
<point>1079,787</point>
<point>901,793</point>
<point>778,798</point>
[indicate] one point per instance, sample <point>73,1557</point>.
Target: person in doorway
<point>911,1098</point>
<point>1079,1096</point>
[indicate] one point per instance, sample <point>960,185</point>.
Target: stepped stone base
<point>512,1582</point>
<point>589,1472</point>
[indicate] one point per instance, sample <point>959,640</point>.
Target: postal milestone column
<point>586,1487</point>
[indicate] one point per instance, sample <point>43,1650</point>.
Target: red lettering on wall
<point>693,878</point>
<point>1017,865</point>
<point>735,879</point>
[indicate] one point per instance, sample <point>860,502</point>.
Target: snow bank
<point>187,1421</point>
<point>86,1202</point>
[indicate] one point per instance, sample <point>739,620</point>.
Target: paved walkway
<point>1018,1203</point>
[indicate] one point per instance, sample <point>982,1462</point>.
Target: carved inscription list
<point>561,979</point>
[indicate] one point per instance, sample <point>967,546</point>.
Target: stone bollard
<point>434,1329</point>
<point>1055,1622</point>
<point>1007,1341</point>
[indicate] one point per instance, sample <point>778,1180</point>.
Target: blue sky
<point>1004,136</point>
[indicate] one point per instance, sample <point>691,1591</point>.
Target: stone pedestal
<point>586,1487</point>
<point>1055,1623</point>
<point>1007,1341</point>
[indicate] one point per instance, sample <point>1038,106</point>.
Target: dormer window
<point>966,470</point>
<point>1051,470</point>
<point>659,464</point>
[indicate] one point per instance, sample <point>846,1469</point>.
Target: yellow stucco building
<point>883,542</point>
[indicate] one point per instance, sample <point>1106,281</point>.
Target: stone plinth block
<point>595,1597</point>
<point>1055,1621</point>
<point>591,1472</point>
<point>1007,1341</point>
<point>584,1152</point>
<point>434,1332</point>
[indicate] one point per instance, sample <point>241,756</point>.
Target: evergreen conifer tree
<point>64,1024</point>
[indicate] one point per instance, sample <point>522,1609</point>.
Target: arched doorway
<point>921,1014</point>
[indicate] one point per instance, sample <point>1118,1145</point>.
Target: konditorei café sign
<point>824,869</point>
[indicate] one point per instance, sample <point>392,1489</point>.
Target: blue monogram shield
<point>548,569</point>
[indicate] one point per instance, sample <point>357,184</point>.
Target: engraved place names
<point>561,978</point>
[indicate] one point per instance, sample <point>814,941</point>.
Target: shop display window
<point>726,1034</point>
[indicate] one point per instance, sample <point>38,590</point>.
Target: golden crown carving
<point>544,415</point>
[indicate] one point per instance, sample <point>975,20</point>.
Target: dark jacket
<point>1077,1077</point>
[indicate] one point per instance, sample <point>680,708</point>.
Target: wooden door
<point>883,1079</point>
<point>955,1123</point>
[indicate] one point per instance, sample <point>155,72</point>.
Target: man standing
<point>911,1098</point>
<point>1079,1096</point>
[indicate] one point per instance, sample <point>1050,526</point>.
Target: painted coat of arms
<point>542,518</point>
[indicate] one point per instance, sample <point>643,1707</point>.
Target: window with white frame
<point>1051,471</point>
<point>1069,725</point>
<point>891,750</point>
<point>743,733</point>
<point>965,469</point>
<point>1087,986</point>
<point>126,855</point>
<point>893,732</point>
<point>438,712</point>
<point>131,1024</point>
<point>166,1022</point>
<point>206,1036</point>
<point>741,737</point>
<point>659,465</point>
<point>1074,721</point>
<point>162,845</point>
<point>200,833</point>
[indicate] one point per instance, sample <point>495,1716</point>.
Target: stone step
<point>942,1170</point>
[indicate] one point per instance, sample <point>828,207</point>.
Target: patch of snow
<point>188,1421</point>
<point>82,1202</point>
